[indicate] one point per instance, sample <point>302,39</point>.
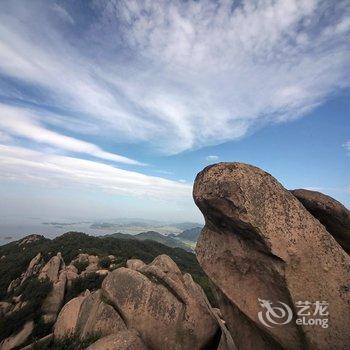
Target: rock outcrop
<point>332,214</point>
<point>55,272</point>
<point>166,308</point>
<point>30,239</point>
<point>259,242</point>
<point>33,267</point>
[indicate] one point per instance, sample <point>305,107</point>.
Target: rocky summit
<point>277,263</point>
<point>139,306</point>
<point>261,245</point>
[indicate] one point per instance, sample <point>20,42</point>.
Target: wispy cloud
<point>178,75</point>
<point>23,123</point>
<point>62,12</point>
<point>18,163</point>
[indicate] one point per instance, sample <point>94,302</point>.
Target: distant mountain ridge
<point>191,234</point>
<point>154,236</point>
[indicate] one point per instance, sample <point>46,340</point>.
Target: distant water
<point>14,231</point>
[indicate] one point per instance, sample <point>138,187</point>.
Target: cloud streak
<point>20,164</point>
<point>23,123</point>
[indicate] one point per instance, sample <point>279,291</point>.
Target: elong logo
<point>279,313</point>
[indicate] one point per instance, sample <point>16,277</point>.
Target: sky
<point>110,108</point>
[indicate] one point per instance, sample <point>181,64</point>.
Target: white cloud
<point>347,145</point>
<point>62,12</point>
<point>21,122</point>
<point>181,75</point>
<point>21,164</point>
<point>212,158</point>
<point>5,137</point>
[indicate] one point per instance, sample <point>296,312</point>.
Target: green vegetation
<point>81,265</point>
<point>191,234</point>
<point>155,236</point>
<point>71,244</point>
<point>33,292</point>
<point>91,281</point>
<point>105,262</point>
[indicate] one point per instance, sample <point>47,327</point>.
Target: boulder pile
<point>139,306</point>
<point>154,305</point>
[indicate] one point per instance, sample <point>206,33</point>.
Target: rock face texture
<point>56,272</point>
<point>33,268</point>
<point>124,340</point>
<point>68,317</point>
<point>164,306</point>
<point>88,315</point>
<point>52,268</point>
<point>332,214</point>
<point>98,317</point>
<point>259,242</point>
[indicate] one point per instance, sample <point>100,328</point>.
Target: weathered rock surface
<point>68,317</point>
<point>52,268</point>
<point>19,338</point>
<point>165,306</point>
<point>260,242</point>
<point>33,267</point>
<point>98,317</point>
<point>88,315</point>
<point>56,272</point>
<point>124,340</point>
<point>134,264</point>
<point>332,214</point>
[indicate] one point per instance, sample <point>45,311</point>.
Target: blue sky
<point>110,108</point>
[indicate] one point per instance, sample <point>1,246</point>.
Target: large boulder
<point>18,339</point>
<point>166,307</point>
<point>68,317</point>
<point>56,272</point>
<point>124,340</point>
<point>259,242</point>
<point>52,268</point>
<point>332,214</point>
<point>33,267</point>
